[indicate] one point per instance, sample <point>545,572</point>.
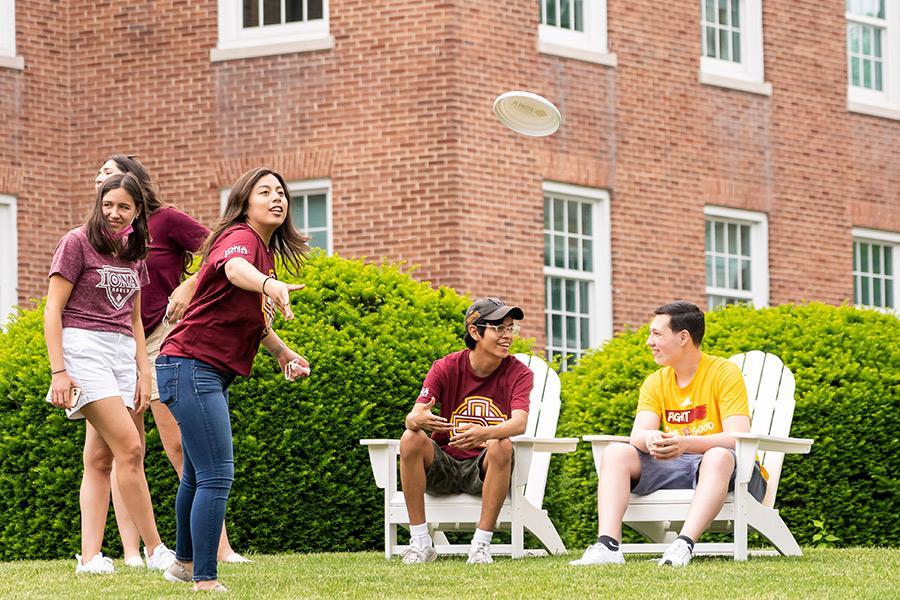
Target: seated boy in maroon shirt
<point>483,394</point>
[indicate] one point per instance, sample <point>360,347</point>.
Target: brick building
<point>715,150</point>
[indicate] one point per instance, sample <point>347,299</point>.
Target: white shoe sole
<point>169,577</point>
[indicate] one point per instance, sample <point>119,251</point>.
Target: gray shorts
<point>446,475</point>
<point>680,473</point>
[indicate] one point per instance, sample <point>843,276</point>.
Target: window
<point>737,257</point>
<point>731,45</point>
<point>310,210</point>
<point>574,29</point>
<point>249,28</point>
<point>873,57</point>
<point>8,56</point>
<point>578,295</point>
<point>875,256</point>
<point>8,260</point>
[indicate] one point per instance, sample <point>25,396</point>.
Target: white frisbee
<point>527,113</point>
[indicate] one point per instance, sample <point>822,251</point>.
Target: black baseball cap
<point>489,309</point>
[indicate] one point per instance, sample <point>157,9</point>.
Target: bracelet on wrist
<point>56,372</point>
<point>278,350</point>
<point>265,281</point>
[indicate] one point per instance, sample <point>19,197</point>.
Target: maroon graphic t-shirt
<point>464,397</point>
<point>172,234</point>
<point>104,286</point>
<point>223,324</point>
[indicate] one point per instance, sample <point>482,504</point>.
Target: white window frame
<point>884,238</point>
<point>600,309</point>
<point>759,253</point>
<point>747,75</point>
<point>304,186</point>
<point>268,40</point>
<point>8,58</point>
<point>589,46</point>
<point>884,103</point>
<point>9,262</point>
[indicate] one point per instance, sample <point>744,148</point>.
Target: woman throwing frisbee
<point>217,338</point>
<point>95,339</point>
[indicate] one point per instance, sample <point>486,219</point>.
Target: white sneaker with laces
<point>99,565</point>
<point>479,553</point>
<point>161,559</point>
<point>676,555</point>
<point>414,555</point>
<point>598,554</point>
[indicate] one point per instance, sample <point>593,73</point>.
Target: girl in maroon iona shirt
<point>98,360</point>
<point>230,314</point>
<point>174,237</point>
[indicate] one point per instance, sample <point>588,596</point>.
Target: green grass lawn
<point>825,573</point>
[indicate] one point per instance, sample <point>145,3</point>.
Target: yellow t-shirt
<point>716,392</point>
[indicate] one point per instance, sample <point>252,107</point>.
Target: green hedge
<point>847,367</point>
<point>302,480</point>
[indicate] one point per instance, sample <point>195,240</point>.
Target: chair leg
<point>390,538</point>
<point>538,523</point>
<point>770,525</point>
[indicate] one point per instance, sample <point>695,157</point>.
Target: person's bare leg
<point>416,456</point>
<point>114,424</point>
<point>712,487</point>
<point>620,466</point>
<point>131,539</point>
<point>497,465</point>
<point>94,495</point>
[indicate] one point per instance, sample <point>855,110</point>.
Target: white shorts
<point>102,364</point>
<point>154,341</point>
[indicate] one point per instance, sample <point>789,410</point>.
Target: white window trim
<point>600,313</point>
<point>302,186</point>
<point>759,252</point>
<point>235,43</point>
<point>8,58</point>
<point>589,46</point>
<point>886,103</point>
<point>748,75</point>
<point>9,261</point>
<point>877,236</point>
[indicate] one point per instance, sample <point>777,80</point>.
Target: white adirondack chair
<point>521,510</point>
<point>660,515</point>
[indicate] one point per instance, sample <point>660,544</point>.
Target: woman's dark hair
<point>291,246</point>
<point>685,316</point>
<point>98,234</point>
<point>130,164</point>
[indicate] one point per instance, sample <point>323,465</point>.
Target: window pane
<point>297,215</point>
<point>708,232</point>
<point>720,237</point>
<point>867,73</point>
<point>876,258</point>
<point>745,275</point>
<point>745,240</point>
<point>556,294</point>
<point>864,284</point>
<point>559,251</point>
<point>587,256</point>
<point>585,333</point>
<point>572,214</point>
<point>548,208</point>
<point>876,292</point>
<point>866,40</point>
<point>251,13</point>
<point>579,15</point>
<point>271,12</point>
<point>723,12</point>
<point>547,250</point>
<point>732,238</point>
<point>709,13</point>
<point>864,257</point>
<point>583,297</point>
<point>736,46</point>
<point>856,256</point>
<point>586,221</point>
<point>856,284</point>
<point>709,271</point>
<point>317,216</point>
<point>878,82</point>
<point>293,11</point>
<point>574,260</point>
<point>564,14</point>
<point>551,12</point>
<point>733,274</point>
<point>556,338</point>
<point>735,13</point>
<point>720,272</point>
<point>888,261</point>
<point>319,239</point>
<point>723,45</point>
<point>558,208</point>
<point>571,332</point>
<point>876,38</point>
<point>854,71</point>
<point>889,295</point>
<point>711,42</point>
<point>853,37</point>
<point>570,295</point>
<point>313,9</point>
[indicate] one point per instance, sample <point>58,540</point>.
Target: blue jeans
<point>197,395</point>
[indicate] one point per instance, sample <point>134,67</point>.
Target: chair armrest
<point>383,456</point>
<point>554,445</point>
<point>776,443</point>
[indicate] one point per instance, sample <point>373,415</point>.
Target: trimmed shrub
<point>302,481</point>
<point>847,367</point>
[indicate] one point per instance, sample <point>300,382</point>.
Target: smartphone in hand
<point>74,395</point>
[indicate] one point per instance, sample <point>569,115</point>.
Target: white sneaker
<point>676,555</point>
<point>135,562</point>
<point>414,555</point>
<point>598,554</point>
<point>99,565</point>
<point>161,559</point>
<point>479,553</point>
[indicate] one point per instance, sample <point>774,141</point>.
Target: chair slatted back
<point>770,393</point>
<point>543,415</point>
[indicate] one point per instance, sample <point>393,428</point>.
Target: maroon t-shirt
<point>223,324</point>
<point>104,286</point>
<point>172,234</point>
<point>464,397</point>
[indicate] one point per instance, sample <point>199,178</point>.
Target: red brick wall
<point>398,116</point>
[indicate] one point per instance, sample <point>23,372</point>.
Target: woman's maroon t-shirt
<point>223,324</point>
<point>172,234</point>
